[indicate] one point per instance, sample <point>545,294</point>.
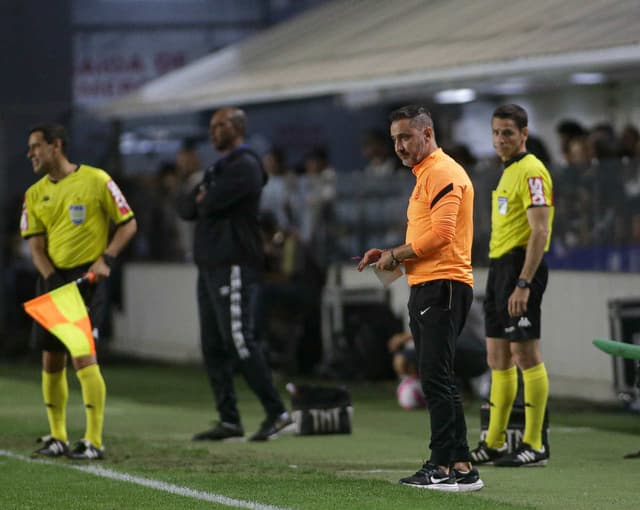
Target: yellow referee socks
<point>55,391</point>
<point>94,394</point>
<point>536,393</point>
<point>504,386</point>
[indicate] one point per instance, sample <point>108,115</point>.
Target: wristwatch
<point>523,284</point>
<point>109,260</point>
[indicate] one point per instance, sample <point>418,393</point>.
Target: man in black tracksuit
<point>229,254</point>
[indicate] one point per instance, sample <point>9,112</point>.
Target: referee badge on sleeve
<point>502,205</point>
<point>77,213</point>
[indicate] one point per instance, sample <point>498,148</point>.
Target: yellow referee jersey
<point>525,183</point>
<point>74,214</point>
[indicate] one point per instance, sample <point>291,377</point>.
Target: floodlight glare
<point>454,96</point>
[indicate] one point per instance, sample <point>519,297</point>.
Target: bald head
<point>227,128</point>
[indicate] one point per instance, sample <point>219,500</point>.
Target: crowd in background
<point>314,215</point>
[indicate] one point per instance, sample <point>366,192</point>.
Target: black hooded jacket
<point>227,224</point>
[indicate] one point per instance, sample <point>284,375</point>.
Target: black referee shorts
<point>95,297</point>
<point>501,281</point>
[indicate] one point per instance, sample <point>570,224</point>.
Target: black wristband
<point>393,257</point>
<point>109,260</point>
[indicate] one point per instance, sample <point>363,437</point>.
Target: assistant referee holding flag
<point>66,217</point>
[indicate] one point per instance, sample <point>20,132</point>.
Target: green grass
<point>152,412</point>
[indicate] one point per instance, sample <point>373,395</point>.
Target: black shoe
<point>220,432</point>
<point>482,454</point>
<point>84,450</point>
<point>52,447</point>
<point>432,477</point>
<point>271,426</point>
<point>524,456</point>
<point>468,481</point>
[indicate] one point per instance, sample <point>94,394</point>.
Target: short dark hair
<point>51,133</point>
<point>514,112</point>
<point>570,128</point>
<point>279,155</point>
<point>318,153</point>
<point>419,116</point>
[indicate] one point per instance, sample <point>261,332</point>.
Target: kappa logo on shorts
<point>524,322</point>
<point>77,213</point>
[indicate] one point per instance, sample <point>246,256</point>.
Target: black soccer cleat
<point>221,431</point>
<point>84,450</point>
<point>524,456</point>
<point>52,447</point>
<point>468,481</point>
<point>482,454</point>
<point>430,476</point>
<point>270,427</point>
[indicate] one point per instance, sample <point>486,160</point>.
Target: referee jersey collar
<point>515,159</point>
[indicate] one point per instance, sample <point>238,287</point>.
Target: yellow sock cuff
<point>89,371</point>
<point>54,377</point>
<point>534,373</point>
<point>502,375</point>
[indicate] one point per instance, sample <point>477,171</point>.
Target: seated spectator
<point>569,130</point>
<point>629,146</point>
<point>189,171</point>
<point>537,147</point>
<point>165,243</point>
<point>471,369</point>
<point>279,195</point>
<point>376,150</point>
<point>409,391</point>
<point>317,196</point>
<point>291,315</point>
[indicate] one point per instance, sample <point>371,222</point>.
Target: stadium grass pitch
<point>151,463</point>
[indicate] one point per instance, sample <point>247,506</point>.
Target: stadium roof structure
<point>372,46</point>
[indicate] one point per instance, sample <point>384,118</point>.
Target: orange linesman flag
<point>63,313</point>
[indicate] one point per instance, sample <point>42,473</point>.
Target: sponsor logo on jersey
<point>503,203</point>
<point>536,190</point>
<point>77,213</point>
<point>24,218</point>
<point>118,198</point>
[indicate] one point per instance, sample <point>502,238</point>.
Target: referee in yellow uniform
<point>66,216</point>
<point>521,219</point>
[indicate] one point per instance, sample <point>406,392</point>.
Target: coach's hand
<point>386,262</point>
<point>371,256</point>
<point>517,305</point>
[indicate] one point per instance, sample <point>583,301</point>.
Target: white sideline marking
<point>149,482</point>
